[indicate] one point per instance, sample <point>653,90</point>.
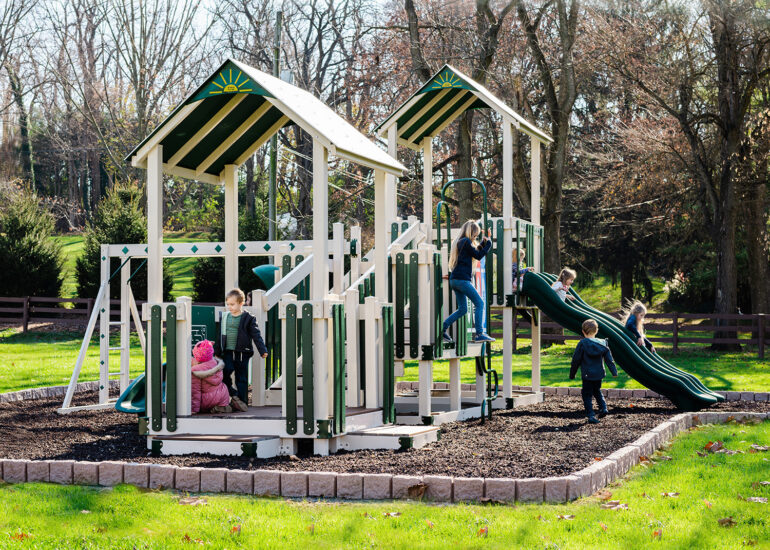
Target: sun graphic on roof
<point>446,80</point>
<point>228,85</point>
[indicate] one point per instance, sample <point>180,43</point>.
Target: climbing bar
<point>308,415</point>
<point>290,369</point>
<point>388,367</point>
<point>400,303</point>
<point>171,368</point>
<point>414,308</point>
<point>338,338</point>
<point>156,357</point>
<point>438,302</point>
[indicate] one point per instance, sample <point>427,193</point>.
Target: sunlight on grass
<point>707,489</point>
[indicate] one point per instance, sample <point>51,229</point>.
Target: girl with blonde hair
<point>464,251</point>
<point>562,285</point>
<point>635,313</point>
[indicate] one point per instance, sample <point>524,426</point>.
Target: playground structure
<point>336,342</point>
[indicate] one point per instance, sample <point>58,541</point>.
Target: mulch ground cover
<point>547,439</point>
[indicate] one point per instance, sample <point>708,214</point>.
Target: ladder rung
<point>121,348</point>
<point>114,373</point>
<point>117,322</point>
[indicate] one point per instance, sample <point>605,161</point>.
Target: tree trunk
<point>25,147</point>
<point>552,196</point>
<point>464,190</point>
<point>756,245</point>
<point>626,284</point>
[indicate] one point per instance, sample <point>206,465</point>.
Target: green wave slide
<point>649,369</point>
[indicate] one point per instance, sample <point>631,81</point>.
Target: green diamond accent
<point>218,248</point>
<point>291,246</point>
<point>266,247</point>
<point>170,249</point>
<point>103,258</point>
<point>125,250</point>
<point>194,248</point>
<point>242,247</point>
<point>145,249</point>
<point>101,362</point>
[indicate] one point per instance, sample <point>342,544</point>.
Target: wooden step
<point>259,446</point>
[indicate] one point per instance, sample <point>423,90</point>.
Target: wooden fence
<point>668,328</point>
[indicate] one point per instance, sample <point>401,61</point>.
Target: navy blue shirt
<point>589,356</point>
<point>463,270</point>
<point>631,326</point>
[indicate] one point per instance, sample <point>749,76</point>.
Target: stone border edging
<point>353,486</point>
<point>52,391</point>
<point>59,391</point>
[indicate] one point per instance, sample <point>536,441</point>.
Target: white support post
<point>425,293</point>
<point>536,349</point>
<point>257,363</point>
<point>507,258</point>
<point>373,394</point>
<point>455,386</point>
<point>535,194</point>
<point>183,354</point>
<point>125,326</point>
<point>154,225</point>
<point>338,255</point>
<point>391,206</point>
<point>320,289</point>
<point>427,186</point>
<point>381,239</point>
<point>231,226</point>
<point>104,328</point>
<point>352,395</point>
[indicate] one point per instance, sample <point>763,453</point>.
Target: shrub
<point>31,258</point>
<point>118,220</point>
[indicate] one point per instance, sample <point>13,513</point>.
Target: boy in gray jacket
<point>590,355</point>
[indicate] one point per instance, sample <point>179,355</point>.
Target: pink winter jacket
<point>208,391</point>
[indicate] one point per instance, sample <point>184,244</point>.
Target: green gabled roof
<point>443,98</point>
<point>237,109</point>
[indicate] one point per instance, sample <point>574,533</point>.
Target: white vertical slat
<point>338,256</point>
<point>391,200</point>
<point>427,185</point>
<point>183,354</point>
<point>507,258</point>
<point>352,395</point>
<point>155,225</point>
<point>381,223</point>
<point>125,327</point>
<point>424,294</point>
<point>104,328</point>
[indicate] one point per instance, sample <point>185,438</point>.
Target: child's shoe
<point>593,420</point>
<point>483,337</point>
<point>447,338</point>
<point>220,410</point>
<point>238,405</point>
<point>603,413</point>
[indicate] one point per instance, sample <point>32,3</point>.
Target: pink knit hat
<point>203,351</point>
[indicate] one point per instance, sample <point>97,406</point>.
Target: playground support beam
<point>155,225</point>
<point>391,204</point>
<point>535,194</point>
<point>427,185</point>
<point>320,289</point>
<point>507,258</point>
<point>381,223</point>
<point>230,182</point>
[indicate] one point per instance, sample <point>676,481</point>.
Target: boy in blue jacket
<point>590,355</point>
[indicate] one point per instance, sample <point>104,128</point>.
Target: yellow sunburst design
<point>446,80</point>
<point>230,86</point>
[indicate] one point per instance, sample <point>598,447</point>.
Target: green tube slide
<point>647,368</point>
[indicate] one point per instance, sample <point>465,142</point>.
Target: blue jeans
<point>591,389</point>
<point>464,290</point>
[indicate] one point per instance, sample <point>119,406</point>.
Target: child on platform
<point>239,329</point>
<point>563,284</point>
<point>464,251</point>
<point>590,355</point>
<point>519,268</point>
<point>634,322</point>
<point>209,394</point>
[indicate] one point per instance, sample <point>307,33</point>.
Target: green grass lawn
<point>704,491</point>
<point>47,359</point>
<point>602,295</point>
<point>72,247</point>
<point>740,371</point>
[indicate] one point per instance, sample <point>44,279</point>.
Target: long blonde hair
<point>470,230</point>
<point>567,273</point>
<point>634,308</point>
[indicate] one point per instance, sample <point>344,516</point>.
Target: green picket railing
<point>438,302</point>
<point>308,414</point>
<point>156,358</point>
<point>290,369</point>
<point>171,368</point>
<point>388,370</point>
<point>339,378</point>
<point>414,307</point>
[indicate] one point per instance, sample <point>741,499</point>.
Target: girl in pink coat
<point>209,394</point>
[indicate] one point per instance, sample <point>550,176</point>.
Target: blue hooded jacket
<point>589,356</point>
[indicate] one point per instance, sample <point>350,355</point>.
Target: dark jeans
<point>592,388</point>
<point>464,290</point>
<point>236,363</point>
